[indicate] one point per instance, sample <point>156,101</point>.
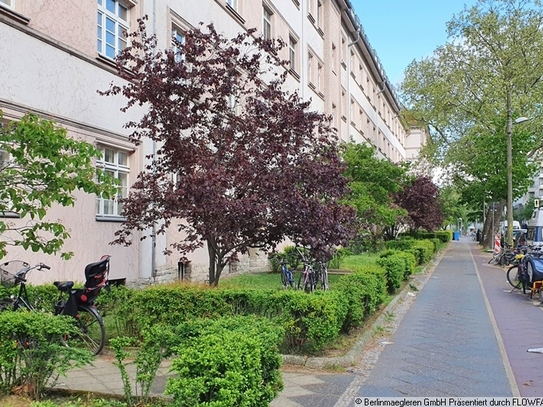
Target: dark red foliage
<point>240,163</point>
<point>421,200</point>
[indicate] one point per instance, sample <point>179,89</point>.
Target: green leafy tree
<point>487,74</point>
<point>40,167</point>
<point>373,183</point>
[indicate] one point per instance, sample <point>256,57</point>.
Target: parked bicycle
<point>321,272</point>
<point>505,257</point>
<point>527,272</point>
<point>77,303</point>
<point>287,276</point>
<point>307,280</point>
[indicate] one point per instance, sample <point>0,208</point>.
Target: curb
<point>348,360</point>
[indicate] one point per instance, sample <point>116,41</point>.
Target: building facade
<point>56,55</point>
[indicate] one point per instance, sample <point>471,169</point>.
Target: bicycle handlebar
<point>21,274</point>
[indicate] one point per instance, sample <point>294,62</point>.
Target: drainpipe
<point>153,238</point>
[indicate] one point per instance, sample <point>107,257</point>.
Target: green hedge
<point>226,362</point>
<point>423,251</point>
<point>32,354</point>
<point>365,291</point>
<point>395,267</point>
<point>404,243</point>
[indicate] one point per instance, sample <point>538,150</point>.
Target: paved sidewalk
<point>464,334</point>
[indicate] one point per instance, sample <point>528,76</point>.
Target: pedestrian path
<point>463,334</point>
<point>446,345</point>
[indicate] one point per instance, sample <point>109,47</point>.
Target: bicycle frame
<point>287,276</point>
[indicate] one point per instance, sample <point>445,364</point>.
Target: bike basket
<point>7,279</point>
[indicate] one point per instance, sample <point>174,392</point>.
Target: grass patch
<point>264,281</point>
<point>355,261</point>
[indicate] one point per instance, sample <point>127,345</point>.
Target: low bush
<point>32,353</point>
<point>395,271</point>
<point>364,290</point>
<point>423,251</point>
<point>404,243</point>
<point>218,362</point>
<point>310,321</point>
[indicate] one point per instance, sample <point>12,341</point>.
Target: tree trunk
<point>216,264</point>
<point>492,224</point>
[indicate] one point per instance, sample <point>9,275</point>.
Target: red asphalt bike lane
<point>519,320</point>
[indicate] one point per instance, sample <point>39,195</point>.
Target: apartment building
<point>56,54</point>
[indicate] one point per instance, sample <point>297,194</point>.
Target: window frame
<point>267,25</point>
<point>118,168</point>
<point>8,3</point>
<point>293,53</point>
<point>178,34</point>
<point>121,26</point>
<point>233,4</point>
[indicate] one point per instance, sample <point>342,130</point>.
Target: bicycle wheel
<point>301,281</point>
<point>309,283</point>
<point>528,284</point>
<point>92,333</point>
<point>512,277</point>
<point>494,258</point>
<point>7,304</point>
<point>284,281</point>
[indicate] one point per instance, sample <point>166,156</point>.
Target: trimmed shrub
<point>310,321</point>
<point>172,305</point>
<point>423,251</point>
<point>403,243</point>
<point>32,353</point>
<point>410,263</point>
<point>395,270</point>
<point>444,236</point>
<point>364,290</point>
<point>226,362</point>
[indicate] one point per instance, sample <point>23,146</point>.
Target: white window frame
<point>233,4</point>
<point>112,24</point>
<point>319,14</point>
<point>8,3</point>
<point>267,23</point>
<point>116,163</point>
<point>179,35</point>
<point>319,77</point>
<point>293,53</point>
<point>310,73</point>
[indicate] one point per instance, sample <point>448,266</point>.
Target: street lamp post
<point>509,131</point>
<point>509,205</point>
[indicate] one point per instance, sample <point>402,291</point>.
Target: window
<point>319,77</point>
<point>334,56</point>
<point>177,38</point>
<point>8,3</point>
<point>292,45</point>
<point>115,163</point>
<point>112,26</point>
<point>233,4</point>
<point>343,105</point>
<point>310,68</point>
<point>319,14</point>
<point>267,24</point>
<point>343,51</point>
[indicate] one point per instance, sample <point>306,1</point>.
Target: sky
<point>401,31</point>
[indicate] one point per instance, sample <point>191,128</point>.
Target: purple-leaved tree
<point>420,198</point>
<point>240,162</point>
